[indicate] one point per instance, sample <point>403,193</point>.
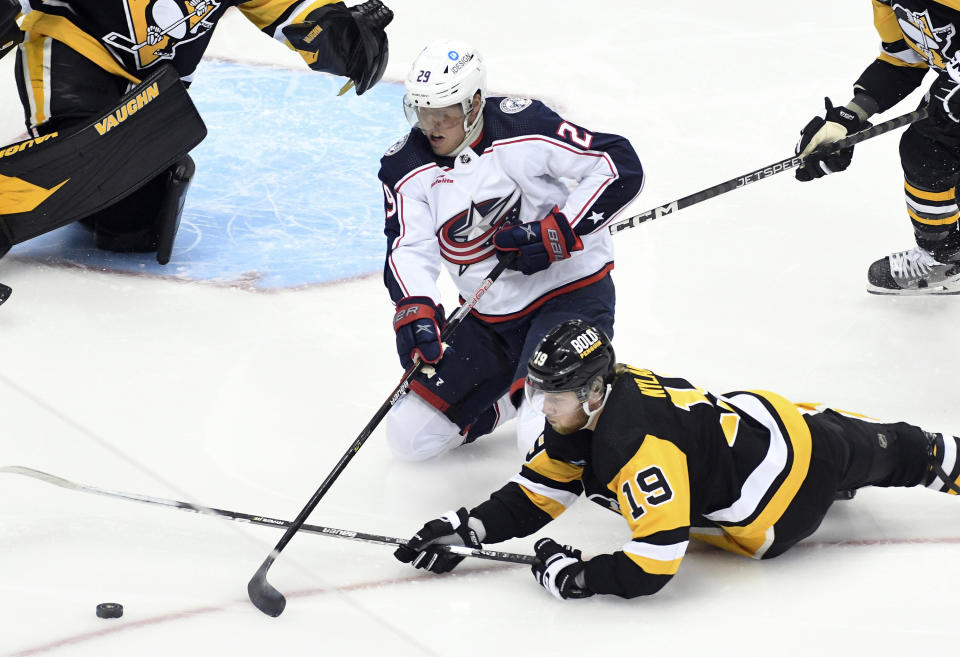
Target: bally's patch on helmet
<point>397,146</point>
<point>513,105</point>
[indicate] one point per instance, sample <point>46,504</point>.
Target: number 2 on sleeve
<point>569,132</point>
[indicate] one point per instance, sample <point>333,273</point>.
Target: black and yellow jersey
<point>129,37</point>
<point>675,461</point>
<point>916,36</point>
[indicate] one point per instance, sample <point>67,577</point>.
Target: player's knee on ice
<point>416,431</point>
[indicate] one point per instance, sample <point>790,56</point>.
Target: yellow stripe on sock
<point>952,219</point>
<point>948,195</point>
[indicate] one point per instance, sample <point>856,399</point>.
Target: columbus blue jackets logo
<point>923,36</point>
<point>467,237</point>
<point>512,105</point>
<point>157,27</point>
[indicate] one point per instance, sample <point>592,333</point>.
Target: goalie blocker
<point>10,34</point>
<point>91,172</point>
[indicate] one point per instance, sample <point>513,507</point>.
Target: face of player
<point>564,411</point>
<point>444,126</point>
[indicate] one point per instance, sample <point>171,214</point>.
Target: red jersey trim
<point>424,393</point>
<point>570,287</point>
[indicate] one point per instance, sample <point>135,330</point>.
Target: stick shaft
<point>765,172</point>
<point>265,521</point>
<point>264,596</point>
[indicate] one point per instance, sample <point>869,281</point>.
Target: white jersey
<point>526,161</point>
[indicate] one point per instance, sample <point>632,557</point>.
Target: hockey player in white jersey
<point>476,178</point>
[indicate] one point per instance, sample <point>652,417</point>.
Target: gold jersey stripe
<point>747,546</point>
<point>547,504</point>
<point>923,194</point>
<point>655,566</point>
<point>890,59</point>
<point>61,29</point>
<point>952,219</point>
<point>556,470</point>
<point>798,435</point>
<point>263,13</point>
<point>886,22</point>
<point>952,4</point>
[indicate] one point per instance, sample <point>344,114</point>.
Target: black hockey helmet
<point>570,356</point>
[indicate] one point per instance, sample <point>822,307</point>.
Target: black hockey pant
<point>930,156</point>
<point>849,453</point>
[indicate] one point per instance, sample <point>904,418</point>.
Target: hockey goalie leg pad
<point>171,210</point>
<point>56,179</point>
<point>146,220</point>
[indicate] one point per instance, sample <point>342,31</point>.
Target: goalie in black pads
<point>917,36</point>
<point>749,471</point>
<point>78,59</point>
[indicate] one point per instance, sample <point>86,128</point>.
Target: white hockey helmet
<point>445,73</point>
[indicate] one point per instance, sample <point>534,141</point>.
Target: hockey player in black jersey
<point>77,59</point>
<point>746,471</point>
<point>917,36</point>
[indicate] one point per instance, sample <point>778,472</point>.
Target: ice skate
<point>944,474</point>
<point>913,272</point>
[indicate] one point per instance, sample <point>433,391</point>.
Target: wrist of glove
<point>418,323</point>
<point>345,41</point>
<point>831,125</point>
<point>425,551</point>
<point>560,570</point>
<point>537,244</point>
<point>10,32</point>
<point>944,102</point>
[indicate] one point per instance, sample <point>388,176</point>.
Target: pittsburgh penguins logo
<point>467,237</point>
<point>921,35</point>
<point>157,27</point>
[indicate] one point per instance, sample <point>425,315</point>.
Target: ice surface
<point>244,400</point>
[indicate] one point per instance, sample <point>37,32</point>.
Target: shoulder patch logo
<point>397,146</point>
<point>514,104</point>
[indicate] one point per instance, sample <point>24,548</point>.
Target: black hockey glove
<point>10,33</point>
<point>833,124</point>
<point>452,528</point>
<point>347,41</point>
<point>559,569</point>
<point>945,99</point>
<point>418,324</point>
<point>538,243</point>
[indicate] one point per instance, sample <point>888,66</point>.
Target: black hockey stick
<point>461,550</point>
<point>262,594</point>
<point>767,171</point>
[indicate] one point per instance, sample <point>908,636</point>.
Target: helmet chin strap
<point>472,131</point>
<point>592,414</point>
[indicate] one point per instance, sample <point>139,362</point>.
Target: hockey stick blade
<point>767,171</point>
<point>262,594</point>
<point>5,292</point>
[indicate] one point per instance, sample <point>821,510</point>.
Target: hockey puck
<point>109,610</point>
